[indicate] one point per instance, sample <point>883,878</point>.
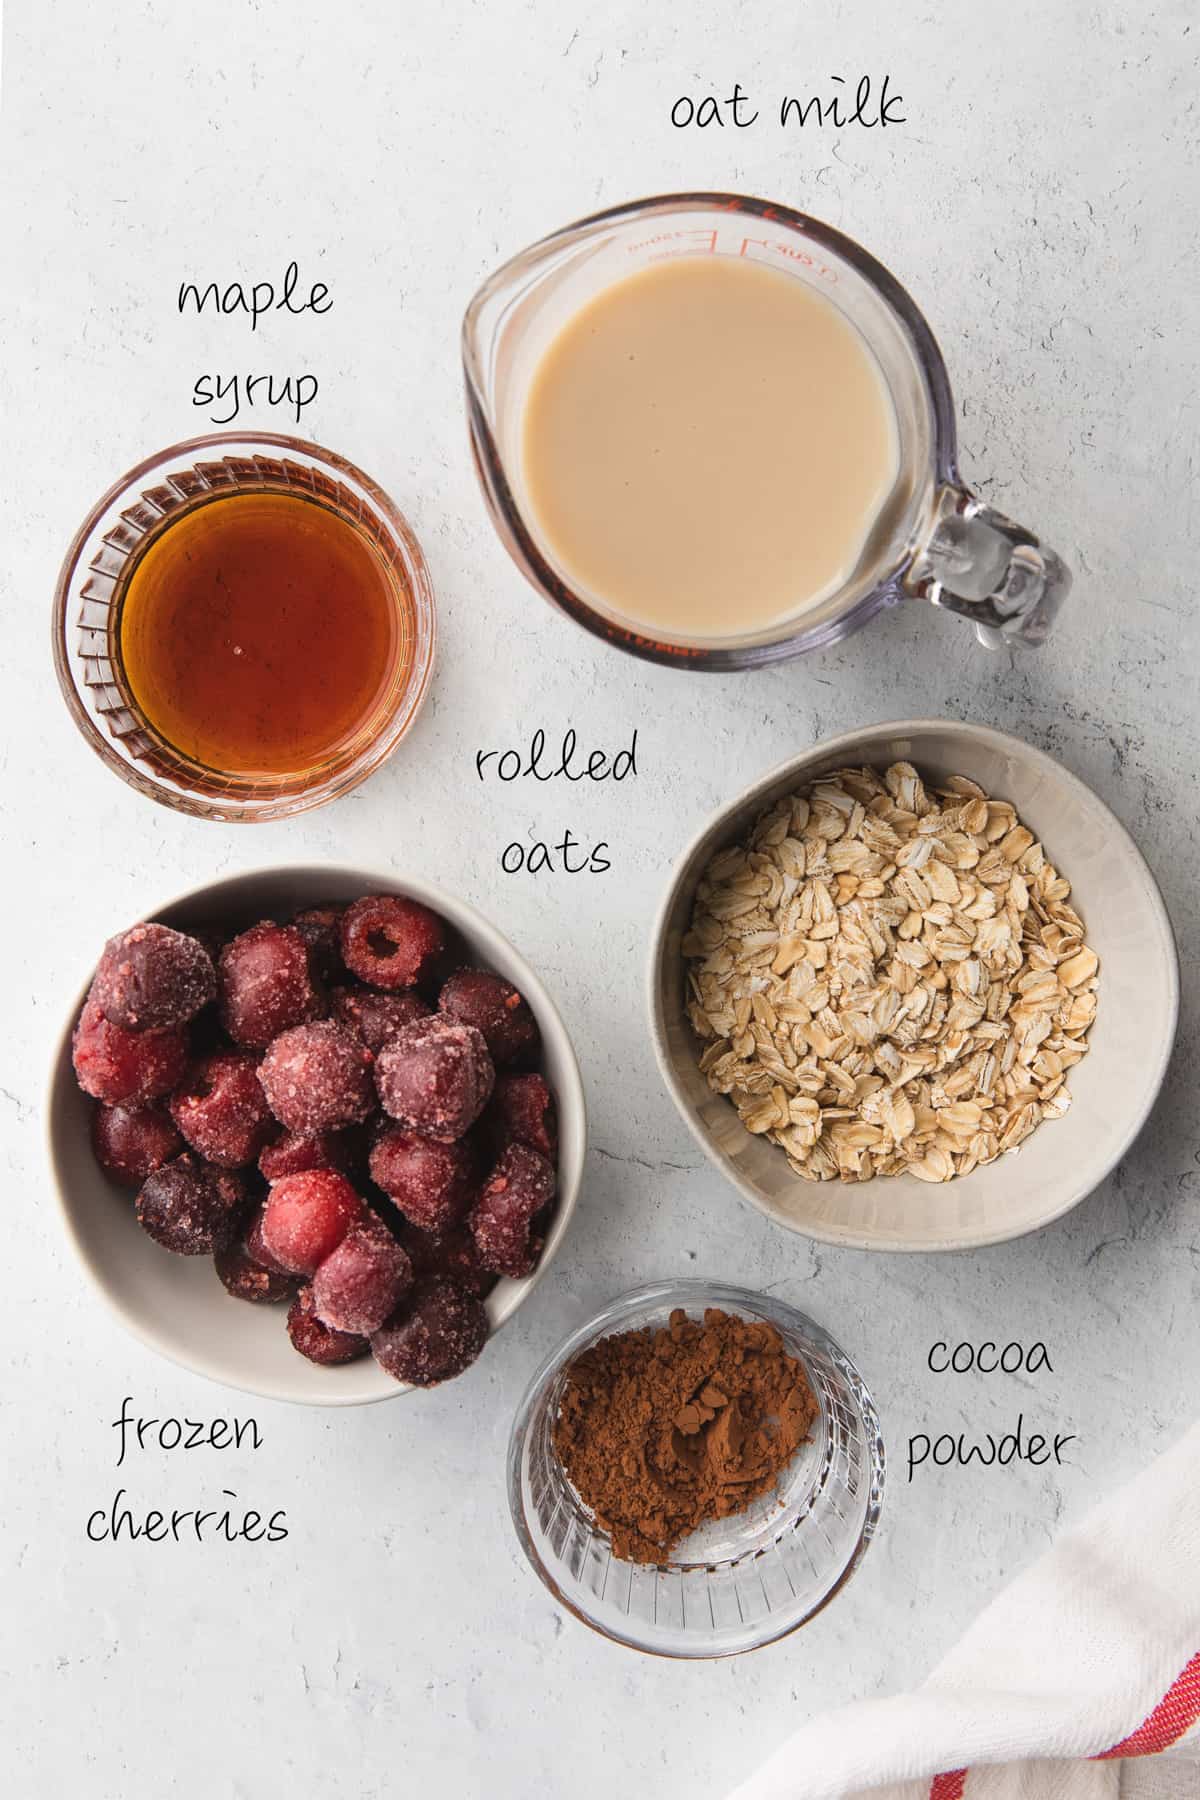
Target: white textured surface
<point>1039,204</point>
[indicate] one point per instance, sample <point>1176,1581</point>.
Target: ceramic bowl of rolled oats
<point>915,989</point>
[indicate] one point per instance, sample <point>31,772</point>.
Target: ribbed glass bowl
<point>740,1582</point>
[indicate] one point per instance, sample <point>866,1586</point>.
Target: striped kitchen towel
<point>1081,1681</point>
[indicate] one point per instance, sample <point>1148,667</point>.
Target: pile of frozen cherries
<point>336,1113</point>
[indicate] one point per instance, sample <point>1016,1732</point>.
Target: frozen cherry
<point>318,1077</point>
<point>435,1076</point>
<point>390,942</point>
<point>307,1217</point>
<point>246,1277</point>
<point>150,977</point>
<point>360,1283</point>
<point>130,1142</point>
<point>501,1221</point>
<point>495,1008</point>
<point>297,1151</point>
<point>433,1184</point>
<point>125,1067</point>
<point>522,1112</point>
<point>321,929</point>
<point>221,1110</point>
<point>265,985</point>
<point>375,1017</point>
<point>453,1254</point>
<point>317,1341</point>
<point>256,1248</point>
<point>190,1208</point>
<point>435,1337</point>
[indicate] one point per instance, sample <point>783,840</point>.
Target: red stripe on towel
<point>1175,1713</point>
<point>948,1786</point>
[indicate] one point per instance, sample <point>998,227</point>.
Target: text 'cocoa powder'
<point>661,1430</point>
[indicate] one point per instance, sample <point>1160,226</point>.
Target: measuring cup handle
<point>980,564</point>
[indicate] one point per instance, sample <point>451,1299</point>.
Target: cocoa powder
<point>661,1430</point>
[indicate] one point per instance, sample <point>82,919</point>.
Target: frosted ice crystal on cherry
<point>433,1184</point>
<point>125,1067</point>
<point>522,1111</point>
<point>265,984</point>
<point>130,1142</point>
<point>391,942</point>
<point>452,1253</point>
<point>502,1220</point>
<point>321,929</point>
<point>221,1110</point>
<point>360,1283</point>
<point>435,1076</point>
<point>245,1277</point>
<point>191,1208</point>
<point>151,977</point>
<point>496,1010</point>
<point>433,1336</point>
<point>318,1077</point>
<point>319,1342</point>
<point>298,1151</point>
<point>375,1017</point>
<point>307,1216</point>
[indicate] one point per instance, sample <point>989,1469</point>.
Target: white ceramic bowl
<point>1114,1086</point>
<point>175,1304</point>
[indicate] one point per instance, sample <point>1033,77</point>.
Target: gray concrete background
<point>1040,203</point>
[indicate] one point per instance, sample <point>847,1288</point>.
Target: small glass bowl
<point>738,1583</point>
<point>91,584</point>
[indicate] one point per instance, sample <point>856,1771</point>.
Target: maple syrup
<point>263,633</point>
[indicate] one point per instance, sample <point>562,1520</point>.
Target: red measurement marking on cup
<point>792,252</point>
<point>708,240</point>
<point>646,643</point>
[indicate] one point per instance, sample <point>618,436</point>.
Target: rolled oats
<point>889,979</point>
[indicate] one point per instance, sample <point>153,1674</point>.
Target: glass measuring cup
<point>932,538</point>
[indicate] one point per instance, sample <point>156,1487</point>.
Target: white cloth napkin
<point>1093,1653</point>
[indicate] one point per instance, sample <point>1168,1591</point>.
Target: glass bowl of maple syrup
<point>244,626</point>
